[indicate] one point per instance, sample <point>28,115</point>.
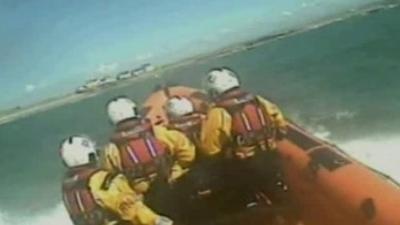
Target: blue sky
<point>48,47</point>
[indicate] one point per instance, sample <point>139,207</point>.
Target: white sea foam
<point>2,219</point>
<point>378,152</point>
<point>56,215</point>
<point>381,153</point>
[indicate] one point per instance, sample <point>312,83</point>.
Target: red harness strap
<point>189,125</point>
<point>251,127</point>
<point>80,202</point>
<point>142,155</point>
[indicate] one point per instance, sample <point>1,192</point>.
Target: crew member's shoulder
<point>102,179</point>
<point>217,113</point>
<point>161,131</point>
<point>98,177</point>
<point>109,149</point>
<point>267,103</point>
<point>263,99</point>
<point>216,110</point>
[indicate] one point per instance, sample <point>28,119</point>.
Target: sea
<point>340,81</point>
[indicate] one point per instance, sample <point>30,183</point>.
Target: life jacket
<point>189,125</point>
<point>79,200</point>
<point>252,128</point>
<point>142,155</point>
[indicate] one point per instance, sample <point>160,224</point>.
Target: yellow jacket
<point>180,147</point>
<point>118,197</point>
<point>216,129</point>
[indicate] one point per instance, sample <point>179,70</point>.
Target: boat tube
<point>328,186</point>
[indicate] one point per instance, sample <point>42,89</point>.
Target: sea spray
<point>381,153</point>
<point>57,215</point>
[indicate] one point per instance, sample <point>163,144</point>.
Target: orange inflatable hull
<point>328,186</point>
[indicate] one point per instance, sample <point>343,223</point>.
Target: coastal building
<point>124,75</point>
<point>143,69</point>
<point>96,83</point>
<point>93,83</point>
<point>148,67</point>
<point>89,86</point>
<point>81,89</point>
<point>107,80</point>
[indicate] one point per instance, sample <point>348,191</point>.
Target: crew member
<point>93,196</point>
<point>151,157</point>
<point>244,128</point>
<point>183,117</point>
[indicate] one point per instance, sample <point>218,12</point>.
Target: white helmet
<point>220,80</point>
<point>179,106</point>
<point>120,109</point>
<point>78,151</point>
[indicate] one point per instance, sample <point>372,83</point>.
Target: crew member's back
<point>93,196</point>
<point>151,157</point>
<point>243,129</point>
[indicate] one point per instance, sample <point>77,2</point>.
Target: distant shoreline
<point>20,113</point>
<point>11,115</point>
<point>262,40</point>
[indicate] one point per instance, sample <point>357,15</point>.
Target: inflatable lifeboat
<point>328,186</point>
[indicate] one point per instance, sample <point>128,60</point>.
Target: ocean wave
<point>381,153</point>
